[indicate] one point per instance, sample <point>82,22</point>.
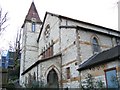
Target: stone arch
<point>94,35</point>
<point>52,79</point>
<point>52,67</point>
<point>55,68</point>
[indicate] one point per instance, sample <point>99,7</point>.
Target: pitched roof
<point>105,56</point>
<point>32,13</point>
<point>75,20</point>
<point>40,61</point>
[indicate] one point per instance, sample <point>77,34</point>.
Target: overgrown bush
<point>10,86</point>
<point>100,84</point>
<point>91,83</point>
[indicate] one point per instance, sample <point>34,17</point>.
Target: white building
<point>53,49</point>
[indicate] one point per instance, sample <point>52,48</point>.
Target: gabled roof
<point>75,20</point>
<point>32,13</point>
<point>103,57</point>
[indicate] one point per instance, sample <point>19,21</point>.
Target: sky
<point>99,12</point>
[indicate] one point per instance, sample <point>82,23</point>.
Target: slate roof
<point>103,57</point>
<point>32,13</point>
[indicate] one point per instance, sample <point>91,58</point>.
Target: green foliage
<point>90,83</point>
<point>36,84</point>
<point>10,86</point>
<point>99,84</point>
<point>13,74</point>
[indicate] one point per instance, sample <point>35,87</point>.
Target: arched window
<point>95,45</point>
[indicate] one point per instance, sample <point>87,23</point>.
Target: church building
<point>60,51</point>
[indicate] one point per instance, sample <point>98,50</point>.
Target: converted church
<point>60,51</point>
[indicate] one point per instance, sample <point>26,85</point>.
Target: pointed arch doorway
<point>52,79</point>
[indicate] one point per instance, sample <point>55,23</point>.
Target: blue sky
<point>100,12</point>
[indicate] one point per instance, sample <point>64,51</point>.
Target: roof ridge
<point>62,16</point>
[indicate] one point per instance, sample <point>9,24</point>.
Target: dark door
<point>52,79</point>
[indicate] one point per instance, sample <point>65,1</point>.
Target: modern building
<point>3,61</point>
<point>7,60</point>
<point>3,71</point>
<point>10,59</point>
<point>54,49</point>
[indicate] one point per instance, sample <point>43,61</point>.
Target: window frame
<point>33,26</point>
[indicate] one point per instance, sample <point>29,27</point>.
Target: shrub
<point>90,83</point>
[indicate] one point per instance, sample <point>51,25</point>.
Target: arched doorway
<point>52,79</point>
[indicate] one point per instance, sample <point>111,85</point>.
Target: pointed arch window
<point>95,45</point>
<point>52,79</point>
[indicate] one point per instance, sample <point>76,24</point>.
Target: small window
<point>48,53</point>
<point>26,80</point>
<point>47,31</point>
<point>68,72</point>
<point>51,51</point>
<point>33,27</point>
<point>118,41</point>
<point>34,76</point>
<point>29,79</point>
<point>95,44</point>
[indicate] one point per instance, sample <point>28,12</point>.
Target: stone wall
<point>98,71</point>
<point>73,44</point>
<point>29,54</point>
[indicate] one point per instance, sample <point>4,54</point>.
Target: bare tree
<point>3,19</point>
<point>18,44</point>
